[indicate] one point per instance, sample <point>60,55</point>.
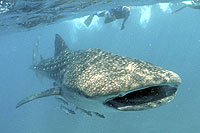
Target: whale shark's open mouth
<point>145,98</point>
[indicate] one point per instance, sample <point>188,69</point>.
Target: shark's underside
<point>98,81</point>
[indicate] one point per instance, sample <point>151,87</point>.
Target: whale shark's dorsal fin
<point>49,92</point>
<point>60,45</point>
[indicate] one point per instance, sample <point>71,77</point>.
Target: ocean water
<point>157,36</point>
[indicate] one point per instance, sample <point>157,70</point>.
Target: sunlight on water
<point>165,7</point>
<point>3,7</point>
<point>187,2</point>
<point>78,24</point>
<point>145,15</point>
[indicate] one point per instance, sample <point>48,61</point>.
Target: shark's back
<point>95,72</point>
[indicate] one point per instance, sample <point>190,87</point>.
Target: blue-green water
<point>168,40</point>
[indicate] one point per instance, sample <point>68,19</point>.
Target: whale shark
<point>97,81</point>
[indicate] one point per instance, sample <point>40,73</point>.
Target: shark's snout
<point>147,97</point>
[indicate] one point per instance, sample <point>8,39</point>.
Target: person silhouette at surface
<point>122,12</point>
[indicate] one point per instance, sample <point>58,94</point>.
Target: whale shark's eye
<point>143,99</point>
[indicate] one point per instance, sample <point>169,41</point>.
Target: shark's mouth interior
<point>143,99</point>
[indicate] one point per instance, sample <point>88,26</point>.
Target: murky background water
<point>168,40</point>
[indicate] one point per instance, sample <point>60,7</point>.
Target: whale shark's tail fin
<point>49,92</point>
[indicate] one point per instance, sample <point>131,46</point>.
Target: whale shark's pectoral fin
<point>49,92</point>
